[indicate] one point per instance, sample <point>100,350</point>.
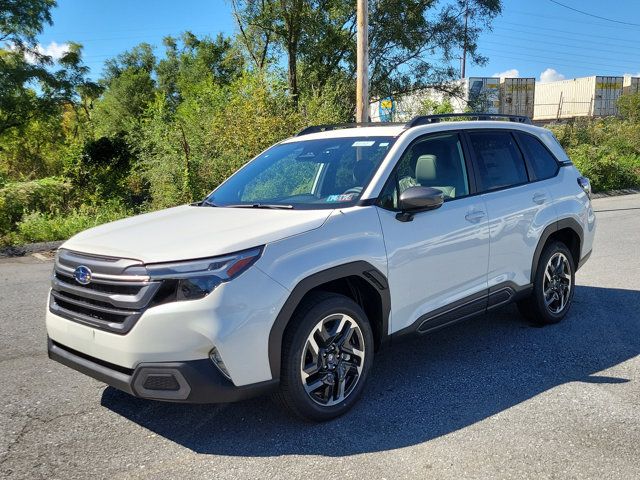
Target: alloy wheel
<point>332,359</point>
<point>556,285</point>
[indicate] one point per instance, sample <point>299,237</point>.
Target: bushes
<point>47,195</point>
<point>178,155</point>
<point>43,210</point>
<point>607,151</point>
<point>104,169</point>
<point>605,169</point>
<point>629,107</point>
<point>46,227</point>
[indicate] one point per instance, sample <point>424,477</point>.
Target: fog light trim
<point>216,358</point>
<point>142,376</point>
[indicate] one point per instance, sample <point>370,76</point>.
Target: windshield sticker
<point>363,143</point>
<point>345,197</point>
<point>385,144</point>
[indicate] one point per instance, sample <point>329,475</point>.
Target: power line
<point>627,53</point>
<point>561,57</point>
<point>551,64</point>
<point>564,20</point>
<point>554,60</point>
<point>623,63</point>
<point>594,16</point>
<point>630,54</point>
<point>582,38</point>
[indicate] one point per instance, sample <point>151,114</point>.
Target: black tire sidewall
<point>296,396</point>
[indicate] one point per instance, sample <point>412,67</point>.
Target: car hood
<point>188,232</point>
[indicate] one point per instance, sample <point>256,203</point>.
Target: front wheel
<point>327,355</point>
<point>553,286</point>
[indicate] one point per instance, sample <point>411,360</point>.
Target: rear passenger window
<point>499,161</point>
<point>543,163</point>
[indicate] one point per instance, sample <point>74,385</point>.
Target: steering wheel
<point>352,190</point>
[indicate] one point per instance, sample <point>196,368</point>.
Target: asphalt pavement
<point>494,397</point>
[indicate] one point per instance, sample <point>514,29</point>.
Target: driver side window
<point>433,161</point>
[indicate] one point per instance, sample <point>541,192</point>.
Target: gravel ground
<point>490,398</point>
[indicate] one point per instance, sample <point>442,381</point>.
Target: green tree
<point>31,83</point>
<point>139,59</point>
<point>433,107</point>
<point>218,128</point>
<point>35,149</point>
<point>412,42</point>
<point>120,108</point>
<point>191,60</point>
<point>129,88</point>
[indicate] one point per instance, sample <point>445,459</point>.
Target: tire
<point>338,371</point>
<point>555,275</point>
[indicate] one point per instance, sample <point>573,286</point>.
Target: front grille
<point>119,291</point>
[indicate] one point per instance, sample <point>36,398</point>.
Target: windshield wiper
<point>207,203</point>
<point>281,206</point>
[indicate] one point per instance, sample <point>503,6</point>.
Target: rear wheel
<point>553,286</point>
<point>326,357</point>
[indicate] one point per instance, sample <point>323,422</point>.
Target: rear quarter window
<point>543,163</point>
<point>555,146</point>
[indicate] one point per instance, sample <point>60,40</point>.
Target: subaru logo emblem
<point>82,275</point>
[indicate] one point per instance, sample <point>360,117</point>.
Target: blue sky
<point>531,36</point>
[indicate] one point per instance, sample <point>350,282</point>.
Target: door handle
<point>539,198</point>
<point>475,216</point>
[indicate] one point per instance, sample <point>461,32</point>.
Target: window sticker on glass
<point>363,143</point>
<point>384,144</point>
<point>345,197</point>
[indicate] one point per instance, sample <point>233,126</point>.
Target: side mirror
<point>418,199</point>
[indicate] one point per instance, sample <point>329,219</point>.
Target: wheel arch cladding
<point>566,230</point>
<point>360,281</point>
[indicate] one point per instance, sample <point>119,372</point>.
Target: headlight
<point>585,185</point>
<point>197,278</point>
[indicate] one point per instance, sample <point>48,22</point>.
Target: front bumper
<point>193,381</point>
<point>236,318</point>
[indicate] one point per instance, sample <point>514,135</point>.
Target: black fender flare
<point>361,269</point>
<point>556,226</point>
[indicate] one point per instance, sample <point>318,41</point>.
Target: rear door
<point>439,259</point>
<point>518,204</point>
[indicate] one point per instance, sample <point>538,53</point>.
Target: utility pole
<point>362,75</point>
<point>464,41</point>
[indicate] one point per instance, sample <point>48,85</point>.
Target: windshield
<point>326,173</point>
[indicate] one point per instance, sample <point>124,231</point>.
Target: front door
<point>439,259</point>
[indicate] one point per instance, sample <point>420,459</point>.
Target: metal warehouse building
<point>580,97</point>
<point>595,96</point>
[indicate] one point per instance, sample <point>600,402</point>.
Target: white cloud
<point>551,75</point>
<point>54,50</point>
<point>513,73</point>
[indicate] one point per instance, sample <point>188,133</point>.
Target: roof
<point>382,131</point>
<point>396,130</point>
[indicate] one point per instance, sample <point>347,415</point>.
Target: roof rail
<point>428,119</point>
<point>337,126</point>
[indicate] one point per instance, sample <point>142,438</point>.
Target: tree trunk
<point>292,52</point>
<point>187,185</point>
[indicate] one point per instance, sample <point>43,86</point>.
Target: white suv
<point>318,252</point>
